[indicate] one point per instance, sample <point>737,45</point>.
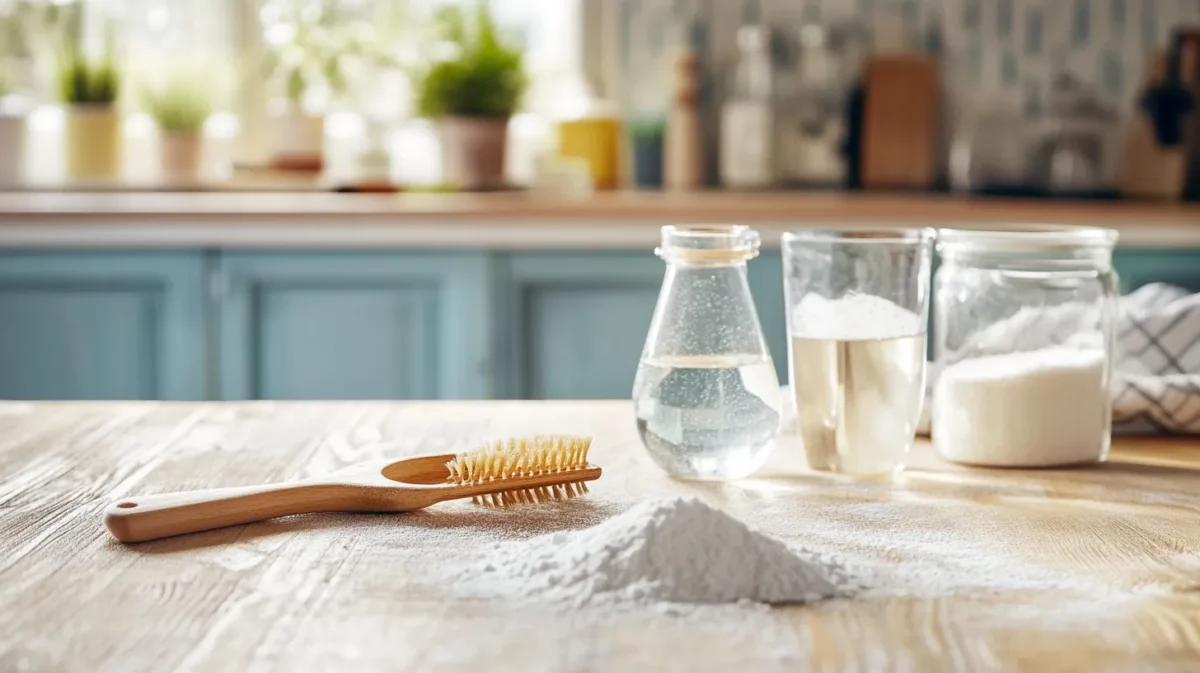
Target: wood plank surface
<point>702,206</point>
<point>1094,569</point>
<point>520,221</point>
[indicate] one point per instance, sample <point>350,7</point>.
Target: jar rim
<point>705,229</point>
<point>1026,237</point>
<point>862,235</point>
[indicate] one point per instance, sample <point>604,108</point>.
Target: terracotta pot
<point>94,142</point>
<point>297,140</point>
<point>12,149</point>
<point>473,151</point>
<point>181,153</point>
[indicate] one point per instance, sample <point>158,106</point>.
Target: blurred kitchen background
<point>232,199</point>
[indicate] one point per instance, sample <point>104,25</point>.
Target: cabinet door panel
<point>346,342</point>
<point>585,342</point>
<point>348,325</point>
<point>102,325</point>
<point>575,323</point>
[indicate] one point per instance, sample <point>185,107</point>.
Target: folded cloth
<point>1156,377</point>
<point>1156,385</point>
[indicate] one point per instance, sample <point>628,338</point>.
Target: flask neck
<point>708,245</point>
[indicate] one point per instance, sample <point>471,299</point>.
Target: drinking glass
<point>857,316</point>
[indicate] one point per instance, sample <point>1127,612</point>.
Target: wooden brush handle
<point>152,517</point>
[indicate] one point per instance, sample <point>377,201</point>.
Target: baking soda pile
<point>676,550</point>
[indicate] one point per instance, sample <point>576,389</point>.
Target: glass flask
<point>1024,323</point>
<point>706,396</point>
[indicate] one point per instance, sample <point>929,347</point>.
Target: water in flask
<point>707,417</point>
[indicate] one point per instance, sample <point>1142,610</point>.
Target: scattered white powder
<point>853,317</point>
<point>1028,409</point>
<point>677,550</point>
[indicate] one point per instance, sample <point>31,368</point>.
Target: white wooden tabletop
<point>1117,546</point>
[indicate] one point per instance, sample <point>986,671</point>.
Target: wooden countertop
<point>623,219</point>
<point>1117,545</point>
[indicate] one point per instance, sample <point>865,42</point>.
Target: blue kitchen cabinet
<point>354,325</point>
<point>574,323</point>
<point>1138,267</point>
<point>766,284</point>
<point>102,325</point>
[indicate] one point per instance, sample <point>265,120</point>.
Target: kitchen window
<point>231,38</point>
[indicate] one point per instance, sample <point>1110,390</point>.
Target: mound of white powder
<point>676,550</point>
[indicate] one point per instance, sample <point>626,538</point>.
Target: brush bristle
<point>522,457</point>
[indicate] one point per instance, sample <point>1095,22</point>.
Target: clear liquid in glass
<point>858,401</point>
<point>707,416</point>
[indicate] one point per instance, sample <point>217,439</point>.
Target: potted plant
<point>180,106</point>
<point>472,94</point>
<point>89,87</point>
<point>314,52</point>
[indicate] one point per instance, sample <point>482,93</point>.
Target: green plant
<point>485,77</point>
<point>183,103</point>
<point>320,44</point>
<point>648,129</point>
<point>83,81</point>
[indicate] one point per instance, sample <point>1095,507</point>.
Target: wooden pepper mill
<point>682,150</point>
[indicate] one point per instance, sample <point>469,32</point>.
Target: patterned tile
<point>1003,49</point>
<point>1081,23</point>
<point>1035,27</point>
<point>1004,19</point>
<point>1116,13</point>
<point>1008,69</point>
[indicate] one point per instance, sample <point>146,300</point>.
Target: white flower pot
<point>297,140</point>
<point>12,150</point>
<point>181,153</point>
<point>473,150</point>
<point>94,142</point>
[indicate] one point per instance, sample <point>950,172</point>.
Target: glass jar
<point>1023,326</point>
<point>706,396</point>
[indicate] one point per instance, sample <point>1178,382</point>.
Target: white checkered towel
<point>1156,383</point>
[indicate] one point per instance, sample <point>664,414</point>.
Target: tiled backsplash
<point>1006,50</point>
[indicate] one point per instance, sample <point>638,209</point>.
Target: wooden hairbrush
<point>498,474</point>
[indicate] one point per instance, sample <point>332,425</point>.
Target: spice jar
<point>1023,330</point>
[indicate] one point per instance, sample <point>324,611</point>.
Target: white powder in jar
<point>1028,409</point>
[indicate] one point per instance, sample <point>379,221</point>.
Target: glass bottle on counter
<point>647,126</point>
<point>706,396</point>
<point>683,153</point>
<point>748,115</point>
<point>590,131</point>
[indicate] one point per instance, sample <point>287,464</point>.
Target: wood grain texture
<point>362,592</point>
<point>798,208</point>
<point>521,221</point>
<point>900,122</point>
